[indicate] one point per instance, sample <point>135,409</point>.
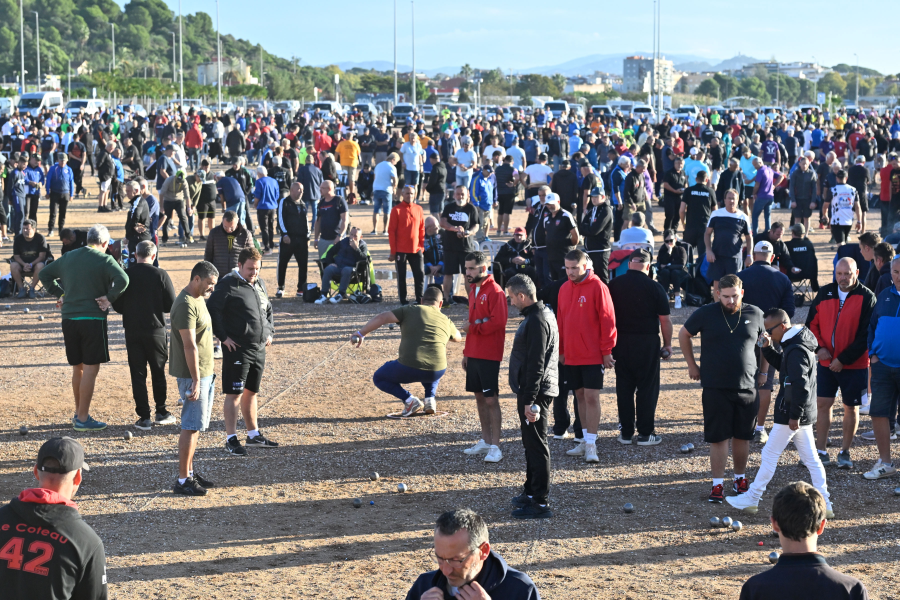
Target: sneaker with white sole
<point>761,436</point>
<point>578,440</point>
<point>336,299</point>
<point>279,293</point>
<point>493,455</point>
<point>864,409</point>
<point>743,503</point>
<point>562,436</point>
<point>678,302</point>
<point>430,405</point>
<point>843,460</point>
<point>165,418</point>
<point>869,436</point>
<point>625,440</point>
<point>880,471</point>
<point>322,300</point>
<point>411,406</point>
<point>577,450</point>
<point>649,440</point>
<point>590,453</point>
<point>217,353</point>
<point>480,448</point>
<point>829,511</point>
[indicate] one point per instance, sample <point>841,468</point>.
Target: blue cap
<point>596,191</point>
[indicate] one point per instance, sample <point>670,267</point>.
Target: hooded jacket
<point>796,363</point>
<point>884,328</point>
<point>587,321</point>
<point>842,330</point>
<point>534,360</point>
<point>496,577</point>
<point>241,311</point>
<point>486,340</point>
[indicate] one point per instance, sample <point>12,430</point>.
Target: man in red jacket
<point>406,235</point>
<point>839,318</point>
<point>587,335</point>
<point>485,336</point>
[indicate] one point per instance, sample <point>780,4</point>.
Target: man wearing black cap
<point>597,229</point>
<point>50,553</point>
<point>562,235</point>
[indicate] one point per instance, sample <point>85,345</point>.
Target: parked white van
<point>84,107</point>
<point>36,102</point>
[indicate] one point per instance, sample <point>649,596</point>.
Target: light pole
<point>413,3</point>
<point>113,26</point>
<point>659,84</point>
<point>856,101</point>
<point>180,53</point>
<point>218,59</point>
<point>395,52</point>
<point>22,41</point>
<point>815,83</point>
<point>69,77</point>
<point>37,26</point>
<point>174,71</point>
<point>261,73</point>
<point>653,72</point>
<point>777,82</point>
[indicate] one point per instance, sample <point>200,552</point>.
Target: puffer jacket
<point>796,363</point>
<point>217,251</point>
<point>534,360</point>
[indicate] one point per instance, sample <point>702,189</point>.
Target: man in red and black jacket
<point>485,338</point>
<point>46,550</point>
<point>839,318</point>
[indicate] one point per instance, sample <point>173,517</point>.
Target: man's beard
<point>736,307</point>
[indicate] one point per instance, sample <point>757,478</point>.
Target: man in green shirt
<point>424,333</point>
<point>191,363</point>
<point>87,281</point>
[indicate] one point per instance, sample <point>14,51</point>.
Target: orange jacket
<point>406,230</point>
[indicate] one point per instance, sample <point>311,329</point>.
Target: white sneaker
<point>479,448</point>
<point>577,450</point>
<point>870,435</point>
<point>493,455</point>
<point>430,405</point>
<point>880,471</point>
<point>590,453</point>
<point>744,503</point>
<point>322,299</point>
<point>279,293</point>
<point>565,435</point>
<point>411,406</point>
<point>864,409</point>
<point>336,299</point>
<point>829,510</point>
<point>217,352</point>
<point>678,301</point>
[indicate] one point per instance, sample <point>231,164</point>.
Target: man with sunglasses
<point>468,568</point>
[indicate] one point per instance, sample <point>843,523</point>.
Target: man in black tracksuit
<point>48,551</point>
<point>597,229</point>
<point>534,377</point>
<point>137,222</point>
<point>294,238</point>
<point>519,247</point>
<point>144,302</point>
<point>242,318</point>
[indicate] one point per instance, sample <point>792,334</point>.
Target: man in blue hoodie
<point>60,189</point>
<point>481,190</point>
<point>467,566</point>
<point>34,178</point>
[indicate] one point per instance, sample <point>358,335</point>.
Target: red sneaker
<point>717,495</point>
<point>741,485</point>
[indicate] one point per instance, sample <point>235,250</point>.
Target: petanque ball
<point>128,435</point>
<point>354,339</point>
<point>27,310</point>
<point>715,522</point>
<point>391,325</point>
<point>629,508</point>
<point>773,557</point>
<point>897,491</point>
<point>726,522</point>
<point>23,430</point>
<point>401,487</point>
<point>40,317</point>
<point>685,449</point>
<point>8,307</point>
<point>371,503</point>
<point>690,446</point>
<point>737,526</point>
<point>357,503</point>
<point>373,476</point>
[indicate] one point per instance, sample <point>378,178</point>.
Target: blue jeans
<point>312,207</point>
<point>381,199</point>
<point>334,272</point>
<point>762,205</point>
<point>239,210</point>
<point>411,177</point>
<point>464,179</point>
<point>195,413</point>
<point>193,158</point>
<point>555,160</point>
<point>391,374</point>
<point>542,266</point>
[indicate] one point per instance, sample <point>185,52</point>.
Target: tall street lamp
<point>37,26</point>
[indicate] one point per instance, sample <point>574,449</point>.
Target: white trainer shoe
<point>411,406</point>
<point>577,450</point>
<point>590,453</point>
<point>479,448</point>
<point>869,436</point>
<point>678,301</point>
<point>743,503</point>
<point>322,300</point>
<point>880,471</point>
<point>829,510</point>
<point>430,405</point>
<point>493,455</point>
<point>336,299</point>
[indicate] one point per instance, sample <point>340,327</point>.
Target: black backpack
<point>375,293</point>
<point>311,294</point>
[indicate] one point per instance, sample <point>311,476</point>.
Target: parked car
<point>36,102</point>
<point>428,111</point>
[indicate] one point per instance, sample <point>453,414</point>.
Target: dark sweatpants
<point>143,349</point>
<point>637,381</point>
<point>298,250</point>
<point>417,266</point>
<point>537,452</point>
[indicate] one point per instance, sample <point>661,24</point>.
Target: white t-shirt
<point>384,172</point>
<point>489,151</point>
<point>843,201</point>
<point>411,153</point>
<point>843,296</point>
<point>466,158</point>
<point>538,174</point>
<point>518,157</point>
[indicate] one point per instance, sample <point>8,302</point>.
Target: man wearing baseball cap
<point>49,552</point>
<point>561,232</point>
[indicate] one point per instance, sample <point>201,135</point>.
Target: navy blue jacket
<point>766,287</point>
<point>796,364</point>
<point>61,180</point>
<point>496,577</point>
<point>884,328</point>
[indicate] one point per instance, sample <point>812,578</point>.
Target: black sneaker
<point>532,511</point>
<point>190,487</point>
<point>144,424</point>
<point>234,446</point>
<point>521,501</point>
<point>260,441</point>
<point>165,418</point>
<point>203,480</point>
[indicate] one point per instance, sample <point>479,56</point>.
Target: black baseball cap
<point>66,450</point>
<point>584,163</point>
<point>643,254</point>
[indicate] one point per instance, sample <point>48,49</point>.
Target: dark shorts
<point>86,340</point>
<point>853,383</point>
<point>506,203</point>
<point>729,414</point>
<point>584,376</point>
<point>885,391</point>
<point>770,380</point>
<point>483,376</point>
<point>243,368</point>
<point>206,211</point>
<point>724,265</point>
<point>803,211</point>
<point>436,202</point>
<point>454,262</point>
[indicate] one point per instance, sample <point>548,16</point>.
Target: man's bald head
<point>849,263</point>
<point>846,273</point>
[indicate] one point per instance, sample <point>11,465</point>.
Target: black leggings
<point>266,217</point>
<point>299,250</point>
<point>170,206</point>
<point>840,233</point>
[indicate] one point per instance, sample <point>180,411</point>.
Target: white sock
<point>760,427</point>
<point>718,481</point>
<point>736,476</point>
<point>252,433</point>
<point>590,438</point>
<point>584,434</point>
<point>228,436</point>
<point>181,481</point>
<point>191,473</point>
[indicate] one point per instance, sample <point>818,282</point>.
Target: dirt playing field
<point>281,523</point>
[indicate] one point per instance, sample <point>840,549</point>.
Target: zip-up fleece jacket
<point>84,275</point>
<point>486,340</point>
<point>62,558</point>
<point>534,360</point>
<point>496,577</point>
<point>587,321</point>
<point>34,176</point>
<point>406,229</point>
<point>241,311</point>
<point>61,180</point>
<point>842,330</point>
<point>292,219</point>
<point>797,365</point>
<point>884,328</point>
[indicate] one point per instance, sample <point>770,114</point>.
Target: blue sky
<point>529,33</point>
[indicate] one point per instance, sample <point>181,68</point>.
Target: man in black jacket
<point>294,238</point>
<point>565,185</point>
<point>106,172</point>
<point>137,222</point>
<point>43,523</point>
<point>467,565</point>
<point>795,408</point>
<point>149,295</point>
<point>242,318</point>
<point>597,230</point>
<point>517,256</point>
<point>782,257</point>
<point>803,257</point>
<point>436,186</point>
<point>534,378</point>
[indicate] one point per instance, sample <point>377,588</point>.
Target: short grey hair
<point>624,160</point>
<point>464,518</point>
<point>219,175</point>
<point>261,171</point>
<point>98,235</point>
<point>522,284</point>
<point>637,219</point>
<point>145,249</point>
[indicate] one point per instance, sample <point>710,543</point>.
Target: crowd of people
<point>580,272</point>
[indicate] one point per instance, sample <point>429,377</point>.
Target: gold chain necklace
<point>736,325</point>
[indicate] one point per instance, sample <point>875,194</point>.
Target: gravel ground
<point>281,524</point>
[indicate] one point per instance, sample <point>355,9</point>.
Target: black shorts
<point>729,414</point>
<point>803,211</point>
<point>86,340</point>
<point>724,265</point>
<point>207,210</point>
<point>243,368</point>
<point>483,376</point>
<point>853,383</point>
<point>584,376</point>
<point>505,204</point>
<point>455,262</point>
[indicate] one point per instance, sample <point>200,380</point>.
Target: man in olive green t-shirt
<point>191,363</point>
<point>424,333</point>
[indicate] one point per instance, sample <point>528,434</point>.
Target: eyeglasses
<point>453,562</point>
<point>774,327</point>
<point>670,241</point>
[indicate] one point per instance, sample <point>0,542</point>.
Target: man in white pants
<point>795,408</point>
